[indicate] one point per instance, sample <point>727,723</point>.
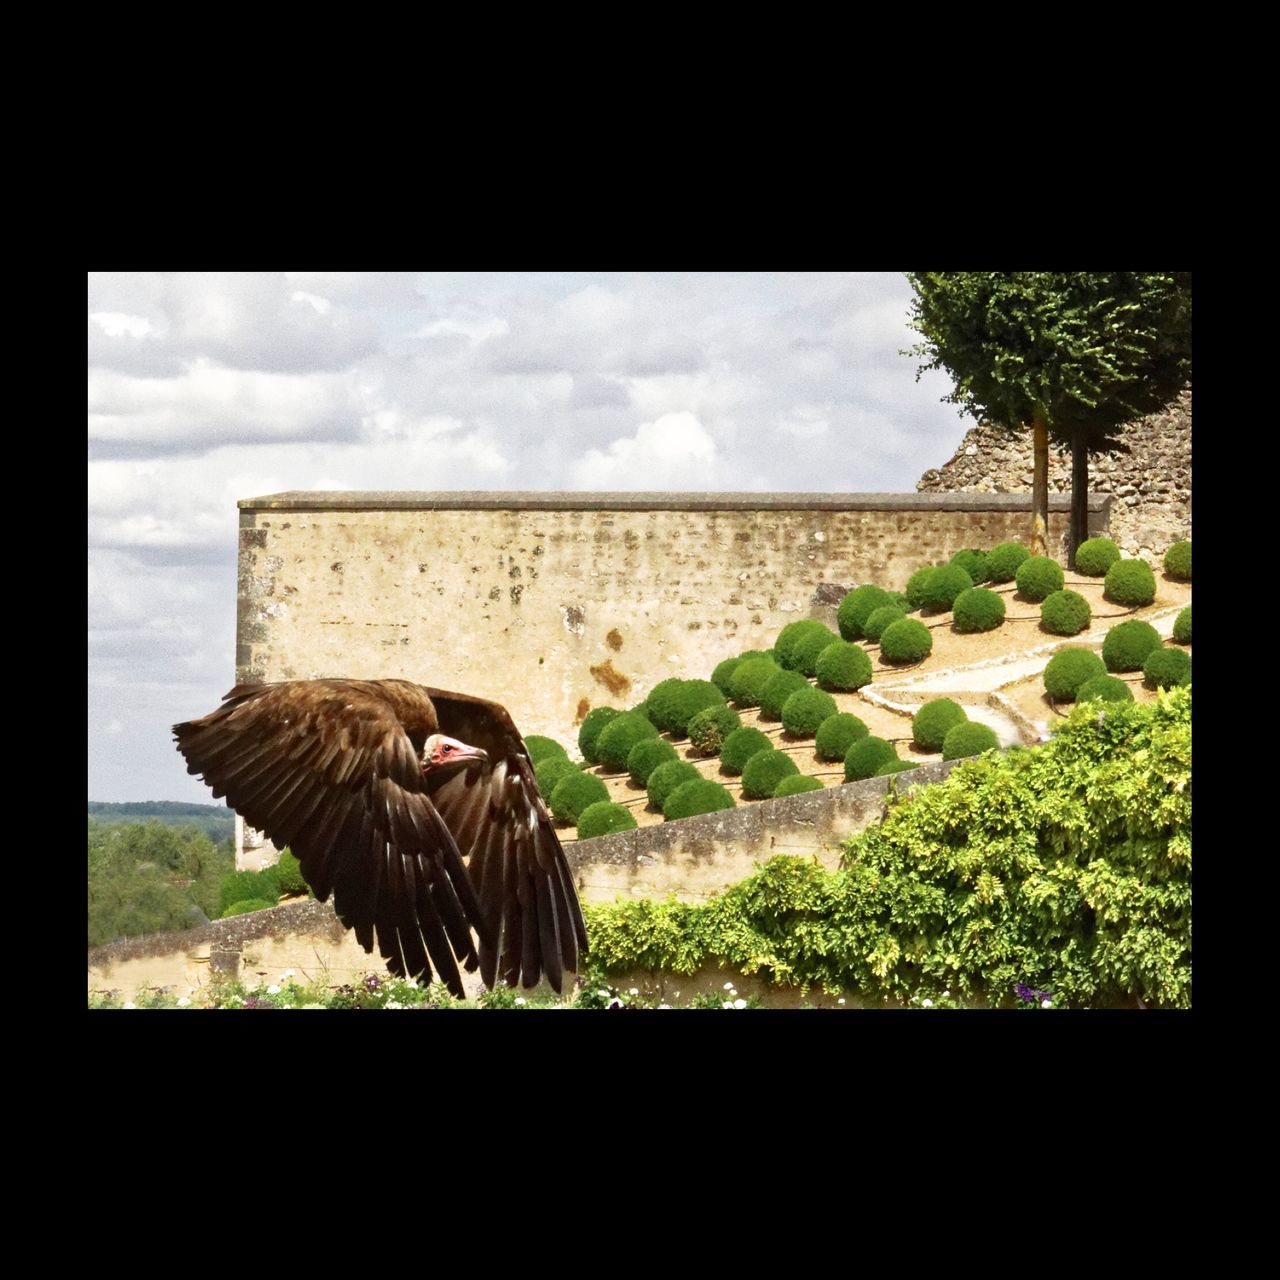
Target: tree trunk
<point>1040,487</point>
<point>1079,496</point>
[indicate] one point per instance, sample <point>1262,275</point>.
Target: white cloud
<point>318,304</point>
<point>116,324</point>
<point>674,451</point>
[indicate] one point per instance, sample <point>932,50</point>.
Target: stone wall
<point>1150,483</point>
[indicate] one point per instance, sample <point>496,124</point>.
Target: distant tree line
<point>215,820</point>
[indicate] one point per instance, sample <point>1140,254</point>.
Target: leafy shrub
<point>805,710</point>
<point>604,818</point>
<point>549,771</point>
<point>844,665</point>
<point>1126,645</point>
<point>1068,669</point>
<point>916,586</point>
<point>974,563</point>
<point>700,795</point>
<point>794,635</point>
<point>906,641</point>
<point>740,746</point>
<point>1131,582</point>
<point>590,731</point>
<point>1037,577</point>
<point>929,725</point>
<point>836,734</point>
<point>721,675</point>
<point>944,584</point>
<point>858,606</point>
<point>1065,613</point>
<point>614,744</point>
<point>874,626</point>
<point>574,793</point>
<point>672,703</point>
<point>646,756</point>
<point>866,756</point>
<point>763,773</point>
<point>895,766</point>
<point>978,609</point>
<point>1095,556</point>
<point>710,727</point>
<point>241,886</point>
<point>288,874</point>
<point>777,691</point>
<point>795,784</point>
<point>1167,668</point>
<point>1177,561</point>
<point>1182,627</point>
<point>1104,689</point>
<point>968,739</point>
<point>748,681</point>
<point>1003,561</point>
<point>666,778</point>
<point>539,748</point>
<point>243,908</point>
<point>809,646</point>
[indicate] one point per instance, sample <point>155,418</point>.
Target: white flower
<point>928,1004</point>
<point>273,990</point>
<point>728,1004</point>
<point>1044,1004</point>
<point>183,1002</point>
<point>664,1006</point>
<point>677,995</point>
<point>946,995</point>
<point>393,1004</point>
<point>841,1000</point>
<point>519,999</point>
<point>128,1004</point>
<point>728,986</point>
<point>615,1003</point>
<point>288,973</point>
<point>603,993</point>
<point>739,1004</point>
<point>635,991</point>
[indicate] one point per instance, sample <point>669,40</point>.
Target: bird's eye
<point>447,748</point>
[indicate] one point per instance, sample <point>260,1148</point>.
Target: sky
<point>205,388</point>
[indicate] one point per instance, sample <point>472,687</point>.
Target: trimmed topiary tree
<point>874,626</point>
<point>242,886</point>
<point>1167,668</point>
<point>895,766</point>
<point>973,562</point>
<point>777,691</point>
<point>1182,627</point>
<point>796,784</point>
<point>1131,582</point>
<point>549,771</point>
<point>604,818</point>
<point>1068,669</point>
<point>740,746</point>
<point>916,585</point>
<point>1104,689</point>
<point>701,795</point>
<point>866,756</point>
<point>1127,644</point>
<point>646,756</point>
<point>978,609</point>
<point>1037,577</point>
<point>710,727</point>
<point>1003,561</point>
<point>1177,561</point>
<point>288,873</point>
<point>763,773</point>
<point>968,739</point>
<point>929,725</point>
<point>721,675</point>
<point>836,734</point>
<point>1095,556</point>
<point>944,584</point>
<point>614,744</point>
<point>906,641</point>
<point>858,606</point>
<point>748,681</point>
<point>805,710</point>
<point>1065,613</point>
<point>810,646</point>
<point>667,777</point>
<point>591,729</point>
<point>844,665</point>
<point>539,748</point>
<point>673,703</point>
<point>573,793</point>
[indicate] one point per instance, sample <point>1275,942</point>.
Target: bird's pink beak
<point>442,753</point>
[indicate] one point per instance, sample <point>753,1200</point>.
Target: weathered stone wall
<point>1151,482</point>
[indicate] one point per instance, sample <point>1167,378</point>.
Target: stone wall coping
<point>495,500</point>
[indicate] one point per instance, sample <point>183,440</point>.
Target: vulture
<point>415,808</point>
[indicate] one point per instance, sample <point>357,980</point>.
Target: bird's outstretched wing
<point>328,768</point>
<point>516,861</point>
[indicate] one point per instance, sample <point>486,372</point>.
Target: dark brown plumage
<point>334,769</point>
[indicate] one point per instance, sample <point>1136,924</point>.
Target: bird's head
<point>441,754</point>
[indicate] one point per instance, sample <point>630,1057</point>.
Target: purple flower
<point>1025,992</point>
<point>372,983</point>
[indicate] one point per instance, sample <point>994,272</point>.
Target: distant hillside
<point>215,820</point>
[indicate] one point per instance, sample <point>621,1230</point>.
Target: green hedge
<point>837,734</point>
<point>240,886</point>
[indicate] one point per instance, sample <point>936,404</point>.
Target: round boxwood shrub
<point>720,676</point>
<point>748,681</point>
<point>858,606</point>
<point>622,733</point>
<point>591,729</point>
<point>866,756</point>
<point>573,793</point>
<point>763,773</point>
<point>604,818</point>
<point>844,665</point>
<point>944,584</point>
<point>874,626</point>
<point>836,734</point>
<point>906,641</point>
<point>916,585</point>
<point>1095,556</point>
<point>895,766</point>
<point>666,778</point>
<point>1131,582</point>
<point>973,562</point>
<point>978,609</point>
<point>549,771</point>
<point>1065,613</point>
<point>710,727</point>
<point>243,886</point>
<point>1037,577</point>
<point>1167,668</point>
<point>288,873</point>
<point>805,710</point>
<point>1003,561</point>
<point>701,795</point>
<point>810,646</point>
<point>1068,669</point>
<point>539,748</point>
<point>1126,645</point>
<point>740,746</point>
<point>929,725</point>
<point>243,908</point>
<point>795,784</point>
<point>968,739</point>
<point>646,756</point>
<point>1177,561</point>
<point>1182,627</point>
<point>786,647</point>
<point>1104,689</point>
<point>777,691</point>
<point>673,703</point>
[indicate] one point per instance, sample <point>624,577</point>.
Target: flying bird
<point>415,808</point>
